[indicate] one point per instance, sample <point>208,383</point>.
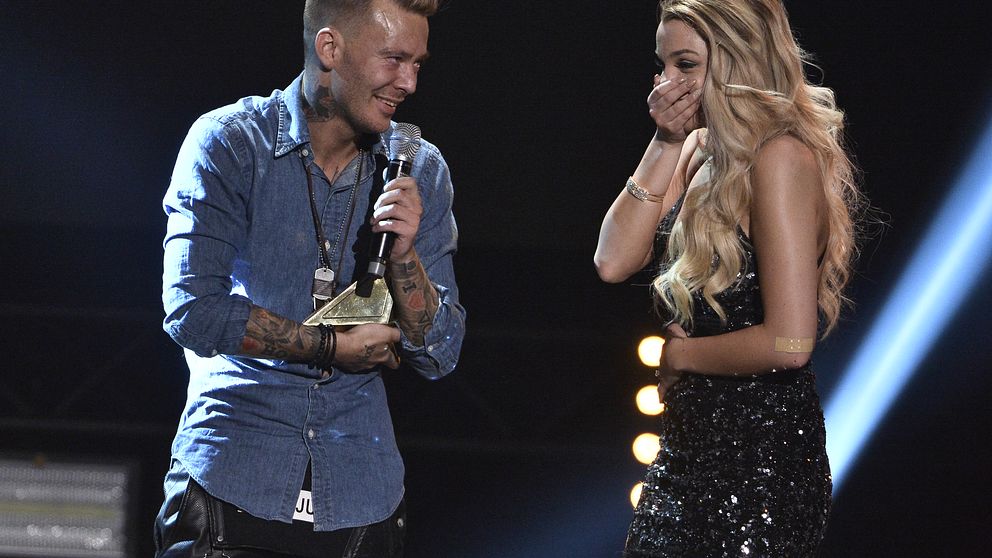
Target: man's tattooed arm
<point>415,297</point>
<point>269,335</point>
<point>359,348</point>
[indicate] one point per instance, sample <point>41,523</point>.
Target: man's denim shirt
<point>240,231</point>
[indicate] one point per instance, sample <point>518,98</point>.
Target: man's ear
<point>328,44</point>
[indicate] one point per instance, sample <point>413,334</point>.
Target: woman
<point>744,200</point>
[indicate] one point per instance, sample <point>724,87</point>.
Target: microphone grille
<point>405,141</point>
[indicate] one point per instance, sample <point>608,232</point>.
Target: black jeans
<point>194,524</point>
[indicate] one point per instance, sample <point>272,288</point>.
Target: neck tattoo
<point>323,108</point>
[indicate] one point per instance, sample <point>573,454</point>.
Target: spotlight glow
<point>649,351</point>
<point>648,402</point>
<point>646,447</point>
<point>936,281</point>
<point>635,493</point>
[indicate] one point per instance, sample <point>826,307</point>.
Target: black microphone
<point>403,146</point>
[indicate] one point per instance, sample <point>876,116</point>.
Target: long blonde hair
<point>755,90</point>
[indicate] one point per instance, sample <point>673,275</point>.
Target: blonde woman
<point>743,201</point>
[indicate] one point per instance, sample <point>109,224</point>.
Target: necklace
<point>324,278</point>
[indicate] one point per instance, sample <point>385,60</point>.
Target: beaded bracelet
<point>641,193</point>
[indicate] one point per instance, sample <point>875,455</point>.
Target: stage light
<point>649,350</point>
<point>938,278</point>
<point>635,493</point>
<point>65,509</point>
<point>648,402</point>
<point>646,447</point>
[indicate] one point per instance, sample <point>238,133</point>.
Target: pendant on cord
<point>323,287</point>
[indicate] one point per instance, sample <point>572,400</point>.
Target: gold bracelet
<point>640,193</point>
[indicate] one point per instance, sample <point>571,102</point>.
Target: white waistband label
<point>304,507</point>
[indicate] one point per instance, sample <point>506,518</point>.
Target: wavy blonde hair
<point>755,90</point>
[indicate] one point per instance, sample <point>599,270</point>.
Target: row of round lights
<point>647,445</point>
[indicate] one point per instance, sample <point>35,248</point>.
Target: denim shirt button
<point>305,152</point>
<point>310,434</point>
<point>430,348</point>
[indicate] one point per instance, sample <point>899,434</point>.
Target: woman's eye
<point>686,65</point>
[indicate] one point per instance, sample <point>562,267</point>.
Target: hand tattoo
<point>369,349</point>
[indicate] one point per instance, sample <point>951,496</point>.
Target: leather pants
<point>193,524</point>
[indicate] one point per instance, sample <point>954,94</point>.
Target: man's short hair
<point>345,14</point>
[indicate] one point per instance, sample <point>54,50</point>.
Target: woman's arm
<point>627,232</point>
<point>788,228</point>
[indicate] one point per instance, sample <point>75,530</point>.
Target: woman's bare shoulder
<point>785,162</point>
<point>785,153</point>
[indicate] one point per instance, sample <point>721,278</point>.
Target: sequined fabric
<point>742,469</point>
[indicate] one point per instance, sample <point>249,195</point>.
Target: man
<point>286,447</point>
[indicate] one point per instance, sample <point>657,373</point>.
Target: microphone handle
<point>382,243</point>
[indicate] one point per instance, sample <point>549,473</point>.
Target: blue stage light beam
<point>953,253</point>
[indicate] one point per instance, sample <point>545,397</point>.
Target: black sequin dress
<point>743,468</point>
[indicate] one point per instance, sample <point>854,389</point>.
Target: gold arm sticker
<point>793,345</point>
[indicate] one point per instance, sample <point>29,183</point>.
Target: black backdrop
<point>538,107</point>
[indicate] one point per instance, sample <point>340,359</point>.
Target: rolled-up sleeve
<point>436,244</point>
<point>206,205</point>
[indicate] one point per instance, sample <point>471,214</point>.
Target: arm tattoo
<point>269,335</point>
<point>417,300</point>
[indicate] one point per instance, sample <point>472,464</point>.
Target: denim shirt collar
<point>293,130</point>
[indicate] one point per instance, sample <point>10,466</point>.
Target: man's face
<point>381,59</point>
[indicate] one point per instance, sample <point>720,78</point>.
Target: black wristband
<point>321,348</point>
<point>332,349</point>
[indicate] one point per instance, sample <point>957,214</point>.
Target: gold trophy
<point>368,301</point>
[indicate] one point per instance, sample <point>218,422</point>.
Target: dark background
<point>539,110</point>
